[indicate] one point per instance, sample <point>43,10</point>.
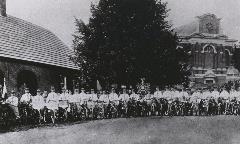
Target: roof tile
<point>25,41</point>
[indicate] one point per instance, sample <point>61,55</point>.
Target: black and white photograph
<point>119,72</point>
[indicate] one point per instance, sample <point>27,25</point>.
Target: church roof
<point>25,41</point>
<point>191,30</point>
<point>188,29</point>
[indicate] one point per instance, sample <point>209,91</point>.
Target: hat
<point>123,87</point>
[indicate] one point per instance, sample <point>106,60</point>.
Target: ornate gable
<point>209,23</point>
<point>209,74</point>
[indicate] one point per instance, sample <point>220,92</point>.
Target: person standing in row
<point>124,96</point>
<point>38,104</point>
<point>134,96</point>
<point>13,103</point>
<point>113,97</point>
<point>215,94</point>
<point>157,94</point>
<point>24,106</point>
<point>93,96</point>
<point>63,102</point>
<point>52,103</point>
<point>26,97</point>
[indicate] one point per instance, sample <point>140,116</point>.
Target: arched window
<point>227,57</point>
<point>209,51</point>
<point>209,48</point>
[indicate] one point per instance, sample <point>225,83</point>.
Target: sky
<point>59,15</point>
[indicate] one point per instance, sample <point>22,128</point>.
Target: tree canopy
<point>126,40</point>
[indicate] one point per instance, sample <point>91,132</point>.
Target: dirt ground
<point>155,130</point>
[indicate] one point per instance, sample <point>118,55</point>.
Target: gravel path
<point>180,130</point>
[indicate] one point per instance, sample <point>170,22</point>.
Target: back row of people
<point>53,100</point>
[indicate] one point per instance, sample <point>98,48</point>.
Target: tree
<point>129,39</point>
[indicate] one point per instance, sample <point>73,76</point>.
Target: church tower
<point>211,51</point>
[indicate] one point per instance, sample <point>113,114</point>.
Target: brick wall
<point>46,76</point>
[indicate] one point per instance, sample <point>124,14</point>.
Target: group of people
<point>128,103</point>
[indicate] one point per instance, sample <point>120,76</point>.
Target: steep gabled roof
<point>188,29</point>
<point>25,41</point>
<point>199,35</point>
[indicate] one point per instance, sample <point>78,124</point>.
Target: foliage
<point>126,40</point>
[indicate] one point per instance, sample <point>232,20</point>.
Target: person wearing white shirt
<point>63,99</point>
<point>38,101</point>
<point>176,95</point>
<point>158,93</point>
<point>83,96</point>
<point>75,103</point>
<point>52,100</point>
<point>238,94</point>
<point>74,98</point>
<point>148,98</point>
<point>183,95</point>
<point>196,96</point>
<point>38,104</point>
<point>13,103</point>
<point>224,94</point>
<point>215,94</point>
<point>167,94</point>
<point>24,105</point>
<point>63,104</point>
<point>113,97</point>
<point>134,96</point>
<point>26,98</point>
<point>93,96</point>
<point>104,97</point>
<point>206,94</point>
<point>44,95</point>
<point>124,96</point>
<point>233,94</point>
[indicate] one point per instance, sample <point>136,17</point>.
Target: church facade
<point>211,51</point>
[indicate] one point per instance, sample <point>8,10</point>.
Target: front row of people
<point>79,105</point>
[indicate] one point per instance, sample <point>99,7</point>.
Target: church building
<point>32,56</point>
<point>211,51</point>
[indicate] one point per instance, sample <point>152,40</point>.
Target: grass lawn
<point>154,130</point>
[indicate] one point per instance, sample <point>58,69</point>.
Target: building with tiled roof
<point>210,49</point>
<point>32,56</point>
